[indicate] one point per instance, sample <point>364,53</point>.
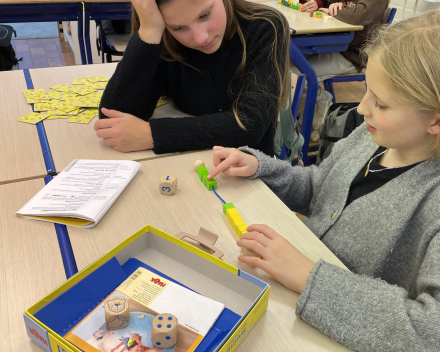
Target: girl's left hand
<point>124,132</point>
<point>310,6</point>
<point>279,258</point>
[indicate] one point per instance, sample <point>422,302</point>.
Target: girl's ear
<point>434,128</point>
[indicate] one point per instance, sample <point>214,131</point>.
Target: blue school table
<point>16,11</point>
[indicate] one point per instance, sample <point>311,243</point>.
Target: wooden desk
<point>30,263</point>
<point>70,141</point>
<point>192,207</point>
<point>20,151</point>
<point>304,24</point>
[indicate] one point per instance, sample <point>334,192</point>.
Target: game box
<point>244,296</point>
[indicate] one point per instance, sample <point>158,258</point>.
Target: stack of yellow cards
<point>77,102</point>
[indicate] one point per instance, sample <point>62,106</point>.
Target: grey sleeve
<point>296,185</point>
<point>369,314</point>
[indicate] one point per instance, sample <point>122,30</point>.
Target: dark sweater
<point>142,77</point>
<point>363,185</point>
<point>368,13</point>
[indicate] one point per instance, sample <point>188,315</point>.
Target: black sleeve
<point>138,81</point>
<point>257,109</point>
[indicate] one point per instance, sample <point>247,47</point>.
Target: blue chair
<point>288,135</point>
<point>360,77</point>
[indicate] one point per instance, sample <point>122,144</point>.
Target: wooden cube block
<point>117,315</point>
<point>164,330</point>
<point>168,185</point>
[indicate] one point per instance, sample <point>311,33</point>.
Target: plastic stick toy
<point>234,218</point>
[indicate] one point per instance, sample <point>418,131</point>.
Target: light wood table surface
<point>30,264</point>
<point>304,24</point>
<point>20,151</point>
<point>192,207</point>
<point>69,141</point>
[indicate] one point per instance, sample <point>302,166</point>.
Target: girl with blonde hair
<point>374,202</point>
<point>223,61</point>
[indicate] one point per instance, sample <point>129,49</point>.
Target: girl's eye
<point>381,107</point>
<point>205,15</point>
<point>177,29</point>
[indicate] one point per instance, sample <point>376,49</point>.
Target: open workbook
<point>82,193</point>
<point>148,294</point>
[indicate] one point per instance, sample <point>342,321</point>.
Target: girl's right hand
<point>333,8</point>
<point>151,21</point>
<point>224,158</point>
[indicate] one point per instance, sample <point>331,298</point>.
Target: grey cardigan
<point>389,239</point>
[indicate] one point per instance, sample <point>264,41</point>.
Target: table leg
<point>87,32</point>
<point>312,89</point>
<point>80,33</point>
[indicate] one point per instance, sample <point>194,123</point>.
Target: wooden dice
<point>168,185</point>
<point>164,330</point>
<point>117,315</point>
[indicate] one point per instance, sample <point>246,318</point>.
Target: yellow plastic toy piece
<point>241,229</point>
<point>318,16</point>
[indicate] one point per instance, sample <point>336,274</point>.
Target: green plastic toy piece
<point>209,184</point>
<point>227,206</point>
<point>318,13</point>
<point>202,170</point>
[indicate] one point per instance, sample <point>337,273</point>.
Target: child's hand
<point>333,8</point>
<point>280,259</point>
<point>152,24</point>
<point>310,6</point>
<point>350,4</point>
<point>124,132</point>
<point>224,158</point>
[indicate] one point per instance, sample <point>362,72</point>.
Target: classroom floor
<point>39,53</point>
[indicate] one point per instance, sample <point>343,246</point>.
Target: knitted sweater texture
<point>389,239</point>
<point>142,77</point>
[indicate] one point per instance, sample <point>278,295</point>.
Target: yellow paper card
<point>32,118</point>
<point>80,81</point>
<point>161,102</point>
<point>61,87</point>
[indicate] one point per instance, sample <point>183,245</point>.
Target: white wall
<point>422,7</point>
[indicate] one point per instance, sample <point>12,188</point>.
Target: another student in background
<point>311,5</point>
<point>224,61</point>
<point>367,13</point>
<point>373,202</point>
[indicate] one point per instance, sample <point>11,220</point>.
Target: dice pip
<point>164,330</point>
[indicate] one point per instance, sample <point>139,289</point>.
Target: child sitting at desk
<point>224,61</point>
<point>373,202</point>
<point>367,13</point>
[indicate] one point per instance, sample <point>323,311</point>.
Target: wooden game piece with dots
<point>198,163</point>
<point>168,185</point>
<point>164,330</point>
<point>117,315</point>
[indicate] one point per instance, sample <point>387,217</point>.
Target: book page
<point>194,311</point>
<point>85,189</point>
<point>148,295</point>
